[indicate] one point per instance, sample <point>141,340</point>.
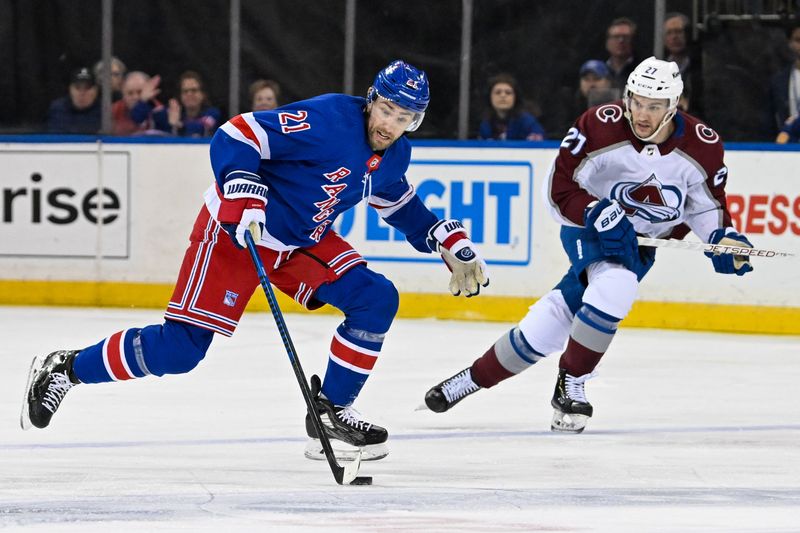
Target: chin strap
<point>664,122</point>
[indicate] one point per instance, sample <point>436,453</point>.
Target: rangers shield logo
<point>230,298</point>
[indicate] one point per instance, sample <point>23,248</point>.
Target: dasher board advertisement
<point>67,204</point>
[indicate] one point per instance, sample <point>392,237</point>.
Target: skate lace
<point>58,387</point>
<point>459,386</point>
<point>574,386</point>
<point>352,418</point>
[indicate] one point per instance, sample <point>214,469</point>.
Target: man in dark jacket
<point>79,111</point>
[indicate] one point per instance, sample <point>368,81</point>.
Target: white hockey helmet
<point>658,79</point>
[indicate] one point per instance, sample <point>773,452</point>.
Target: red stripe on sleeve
<point>239,123</point>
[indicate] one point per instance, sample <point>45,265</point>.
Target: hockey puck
<point>362,480</point>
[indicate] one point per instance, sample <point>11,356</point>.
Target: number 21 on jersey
<point>574,141</point>
<point>294,122</point>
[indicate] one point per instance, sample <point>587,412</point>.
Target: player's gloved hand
<point>729,263</point>
<point>616,233</point>
<point>468,269</point>
<point>243,204</point>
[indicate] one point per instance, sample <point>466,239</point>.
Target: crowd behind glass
<point>141,106</point>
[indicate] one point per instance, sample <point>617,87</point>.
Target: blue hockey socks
<point>351,358</point>
<point>170,348</point>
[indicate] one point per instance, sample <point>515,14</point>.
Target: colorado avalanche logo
<point>650,199</point>
<point>609,113</point>
<point>706,134</point>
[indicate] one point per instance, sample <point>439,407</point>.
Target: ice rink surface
<point>692,432</point>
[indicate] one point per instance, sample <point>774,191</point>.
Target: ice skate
<point>347,431</point>
<point>49,380</point>
<point>451,391</point>
<point>572,409</point>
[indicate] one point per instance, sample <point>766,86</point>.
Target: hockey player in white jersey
<point>636,166</point>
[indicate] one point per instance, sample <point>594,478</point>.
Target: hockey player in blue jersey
<point>291,171</point>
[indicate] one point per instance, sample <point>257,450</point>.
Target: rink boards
<point>106,223</point>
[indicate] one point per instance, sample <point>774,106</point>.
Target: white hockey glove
<point>468,269</point>
<point>243,204</point>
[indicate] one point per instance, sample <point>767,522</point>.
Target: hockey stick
<point>715,248</point>
<point>344,475</point>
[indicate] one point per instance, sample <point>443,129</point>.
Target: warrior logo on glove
<point>243,205</point>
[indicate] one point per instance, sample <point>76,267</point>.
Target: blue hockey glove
<point>616,233</point>
<point>467,268</point>
<point>729,263</point>
<point>243,204</point>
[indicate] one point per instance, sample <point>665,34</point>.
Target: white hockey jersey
<point>663,188</point>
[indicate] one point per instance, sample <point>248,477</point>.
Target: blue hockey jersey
<point>315,160</point>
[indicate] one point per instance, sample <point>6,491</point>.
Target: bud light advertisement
<point>493,199</point>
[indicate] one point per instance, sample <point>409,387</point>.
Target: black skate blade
<point>362,480</point>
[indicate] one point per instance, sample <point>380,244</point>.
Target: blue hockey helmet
<point>406,86</point>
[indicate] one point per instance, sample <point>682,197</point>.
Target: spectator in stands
<point>620,35</point>
<point>79,111</point>
<point>118,71</point>
<point>784,90</point>
<point>504,118</point>
<point>676,40</point>
<point>594,88</point>
<point>676,44</point>
<point>192,115</point>
<point>264,95</point>
<point>133,114</point>
<point>790,132</point>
